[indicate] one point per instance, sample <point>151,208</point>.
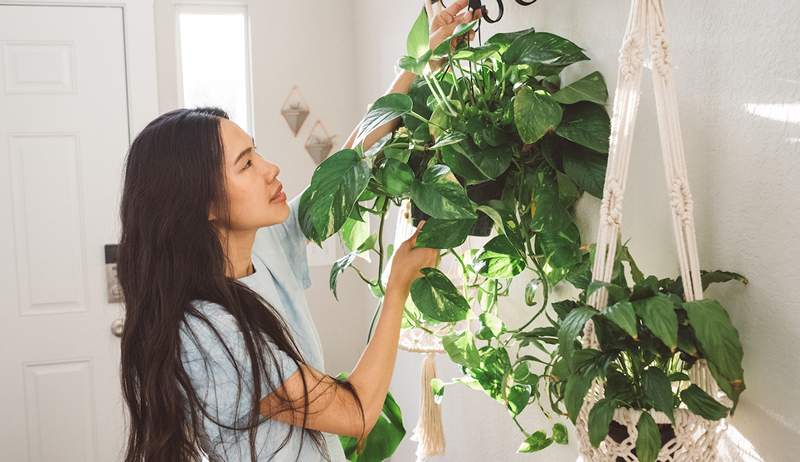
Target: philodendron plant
<point>649,337</point>
<point>489,141</point>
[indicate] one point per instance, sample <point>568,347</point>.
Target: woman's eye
<point>248,164</point>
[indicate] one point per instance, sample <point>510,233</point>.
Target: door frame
<point>140,54</point>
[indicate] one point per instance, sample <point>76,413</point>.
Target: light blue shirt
<point>281,277</point>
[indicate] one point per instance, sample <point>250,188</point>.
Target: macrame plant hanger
<point>695,438</point>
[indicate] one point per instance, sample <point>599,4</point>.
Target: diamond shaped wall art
<point>319,144</point>
<point>295,110</point>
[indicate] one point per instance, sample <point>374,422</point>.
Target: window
<point>214,60</point>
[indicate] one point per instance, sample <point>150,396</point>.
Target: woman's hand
<point>446,21</point>
<point>409,260</point>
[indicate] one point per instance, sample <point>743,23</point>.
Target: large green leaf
<point>535,114</point>
<point>543,49</point>
<point>385,109</point>
<point>658,389</point>
<point>335,186</point>
<point>560,435</point>
<point>462,166</point>
<point>586,124</point>
<point>490,162</point>
<point>478,53</point>
<point>571,327</point>
<point>396,177</point>
<point>590,88</point>
<point>699,402</point>
<point>585,167</point>
<point>648,442</point>
<point>451,137</point>
<point>658,314</point>
<point>440,195</point>
<point>460,347</point>
<point>504,39</point>
<point>600,418</point>
<point>417,42</point>
<point>719,341</point>
<point>444,234</point>
<point>437,298</point>
<point>518,397</point>
<point>623,315</point>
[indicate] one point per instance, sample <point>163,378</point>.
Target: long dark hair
<point>169,255</point>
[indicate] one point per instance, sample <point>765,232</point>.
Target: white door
<point>63,138</point>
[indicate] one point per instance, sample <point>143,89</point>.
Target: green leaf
<point>460,347</point>
<point>575,393</point>
<point>449,138</point>
<point>354,233</point>
<point>543,49</point>
<point>437,388</point>
<point>719,342</point>
<point>518,397</point>
<point>444,234</point>
<point>535,442</point>
<point>441,196</point>
<point>492,321</point>
<point>417,41</point>
<point>623,315</point>
<point>648,443</point>
<point>590,88</point>
<point>560,434</point>
<point>437,298</point>
<point>384,438</point>
<point>586,168</point>
<point>490,162</point>
<point>586,124</point>
<point>335,187</point>
<point>499,259</point>
<point>699,402</point>
<point>557,234</point>
<point>530,291</point>
<point>396,177</point>
<point>571,327</point>
<point>504,39</point>
<point>658,314</point>
<point>535,114</point>
<point>338,268</point>
<point>615,293</point>
<point>599,419</point>
<point>658,390</point>
<point>478,53</point>
<point>385,109</point>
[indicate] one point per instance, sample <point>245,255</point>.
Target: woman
<point>219,351</point>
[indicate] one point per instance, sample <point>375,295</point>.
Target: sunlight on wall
<point>788,112</point>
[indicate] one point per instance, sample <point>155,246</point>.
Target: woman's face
<point>255,195</point>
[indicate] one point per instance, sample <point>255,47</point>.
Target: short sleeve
<point>290,238</point>
<point>211,370</point>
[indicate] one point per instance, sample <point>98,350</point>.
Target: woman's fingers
<point>456,6</point>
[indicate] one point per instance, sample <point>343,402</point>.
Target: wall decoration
<point>319,144</point>
<point>295,110</point>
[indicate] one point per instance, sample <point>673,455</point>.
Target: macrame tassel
<point>429,432</point>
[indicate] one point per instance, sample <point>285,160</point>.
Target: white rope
<point>695,438</point>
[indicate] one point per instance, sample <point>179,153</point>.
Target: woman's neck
<point>239,250</point>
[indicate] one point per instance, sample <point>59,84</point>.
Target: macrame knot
<point>611,204</point>
<point>662,58</point>
<point>681,200</point>
<point>630,57</point>
<point>589,339</point>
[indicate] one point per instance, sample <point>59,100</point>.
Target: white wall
<point>737,72</point>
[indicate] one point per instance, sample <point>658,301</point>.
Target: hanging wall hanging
<point>319,144</point>
<point>295,110</point>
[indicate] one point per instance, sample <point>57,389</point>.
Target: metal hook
<point>478,5</point>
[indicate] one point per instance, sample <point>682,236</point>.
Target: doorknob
<point>116,327</point>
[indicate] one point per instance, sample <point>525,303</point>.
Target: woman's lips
<point>279,196</point>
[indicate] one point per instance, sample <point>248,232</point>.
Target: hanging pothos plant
<point>489,141</point>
